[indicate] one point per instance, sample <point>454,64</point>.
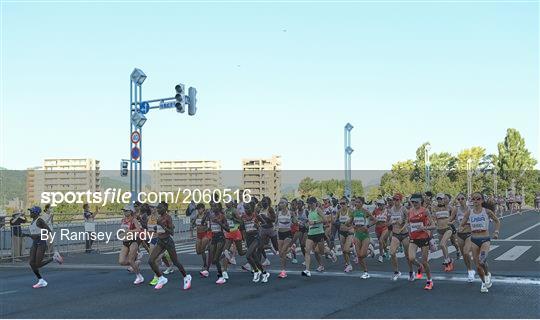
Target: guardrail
<point>181,225</point>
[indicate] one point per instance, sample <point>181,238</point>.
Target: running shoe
<point>266,262</point>
<point>129,269</point>
<point>470,276</point>
<point>483,288</point>
<point>348,268</point>
<point>221,280</point>
<point>204,273</point>
<point>450,265</point>
<point>306,273</point>
<point>161,282</point>
<point>429,285</point>
<point>228,255</point>
<point>282,274</point>
<point>386,256</point>
<point>169,270</point>
<point>139,255</point>
<point>154,281</point>
<point>365,275</point>
<point>396,276</point>
<point>257,276</point>
<point>40,284</point>
<point>139,279</point>
<point>265,277</point>
<point>294,261</point>
<point>58,258</point>
<point>419,274</point>
<point>246,267</point>
<point>488,280</point>
<point>380,259</point>
<point>304,263</point>
<point>412,276</point>
<point>233,260</point>
<point>289,255</point>
<point>225,275</point>
<point>320,268</point>
<point>274,251</point>
<point>355,260</point>
<point>187,282</point>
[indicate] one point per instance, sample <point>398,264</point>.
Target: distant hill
<point>108,182</point>
<point>12,185</point>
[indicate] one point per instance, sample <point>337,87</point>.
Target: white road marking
<point>515,240</point>
<point>537,259</point>
<point>8,292</point>
<point>513,254</point>
<point>523,231</point>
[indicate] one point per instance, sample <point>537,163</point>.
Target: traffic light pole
<point>137,110</point>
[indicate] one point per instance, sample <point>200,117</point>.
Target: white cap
<point>128,207</point>
<point>380,201</point>
<point>440,195</point>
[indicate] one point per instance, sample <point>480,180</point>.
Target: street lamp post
<point>495,181</point>
<point>348,152</point>
<point>428,164</point>
<point>469,177</point>
<point>137,111</point>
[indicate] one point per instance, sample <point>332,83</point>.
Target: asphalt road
<point>94,286</point>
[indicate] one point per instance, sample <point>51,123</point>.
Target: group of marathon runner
<point>249,229</point>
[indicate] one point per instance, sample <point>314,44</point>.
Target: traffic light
<point>192,106</point>
<point>180,98</point>
<point>124,168</point>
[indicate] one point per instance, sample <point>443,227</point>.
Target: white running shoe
<point>289,255</point>
<point>355,260</point>
<point>140,255</point>
<point>320,268</point>
<point>294,261</point>
<point>58,258</point>
<point>139,279</point>
<point>304,263</point>
<point>40,284</point>
<point>225,275</point>
<point>161,282</point>
<point>483,288</point>
<point>412,276</point>
<point>221,280</point>
<point>187,282</point>
<point>265,277</point>
<point>306,273</point>
<point>204,273</point>
<point>470,276</point>
<point>396,276</point>
<point>380,259</point>
<point>266,262</point>
<point>233,260</point>
<point>365,275</point>
<point>488,280</point>
<point>246,267</point>
<point>129,269</point>
<point>257,276</point>
<point>169,270</point>
<point>348,268</point>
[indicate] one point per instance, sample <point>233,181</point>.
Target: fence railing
<point>78,244</point>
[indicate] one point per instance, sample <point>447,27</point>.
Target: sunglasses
<point>415,201</point>
<point>459,199</point>
<point>476,199</point>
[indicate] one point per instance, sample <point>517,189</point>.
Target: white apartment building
<point>262,177</point>
<point>171,175</point>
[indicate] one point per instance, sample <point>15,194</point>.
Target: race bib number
<point>359,221</point>
<point>381,218</point>
<point>215,227</point>
<point>230,223</point>
<point>198,221</point>
<point>250,226</point>
<point>395,218</point>
<point>416,226</point>
<point>442,214</point>
<point>343,219</point>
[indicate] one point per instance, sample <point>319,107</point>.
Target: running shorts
<point>401,236</point>
<point>166,243</point>
<point>361,235</point>
<point>463,235</point>
<point>379,230</point>
<point>204,235</point>
<point>316,237</point>
<point>234,235</point>
<point>284,235</point>
<point>480,241</point>
<point>421,242</point>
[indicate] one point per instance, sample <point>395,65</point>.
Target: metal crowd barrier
<point>64,246</point>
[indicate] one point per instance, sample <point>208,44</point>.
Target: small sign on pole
<point>135,153</point>
<point>135,137</point>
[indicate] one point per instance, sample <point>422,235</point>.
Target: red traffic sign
<point>135,137</point>
<point>135,153</point>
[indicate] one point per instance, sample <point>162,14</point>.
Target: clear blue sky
<point>279,78</point>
